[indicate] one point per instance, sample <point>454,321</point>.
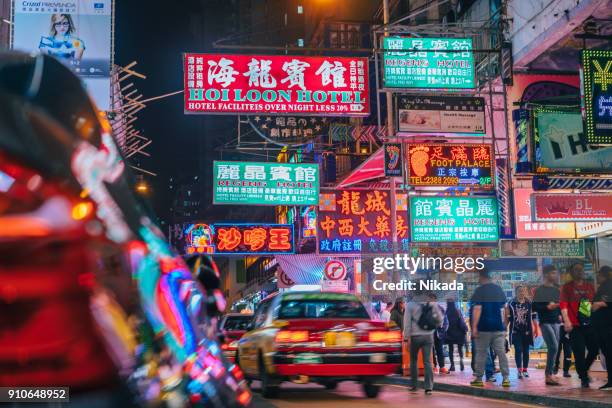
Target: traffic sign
<point>335,270</point>
<point>284,281</point>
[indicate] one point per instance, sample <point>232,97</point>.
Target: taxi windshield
<point>237,322</point>
<point>322,309</point>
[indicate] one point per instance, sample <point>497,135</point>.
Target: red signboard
<point>253,239</point>
<point>359,221</point>
<point>571,207</point>
<point>450,164</point>
<point>527,228</point>
<point>276,84</point>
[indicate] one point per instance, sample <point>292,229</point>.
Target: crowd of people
<point>574,319</point>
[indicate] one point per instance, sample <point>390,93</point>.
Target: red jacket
<point>571,294</point>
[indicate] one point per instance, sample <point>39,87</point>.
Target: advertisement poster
<point>560,145</point>
<point>454,219</point>
<point>450,165</point>
<point>428,63</point>
<point>276,84</point>
<point>254,183</point>
<point>253,239</point>
<point>77,33</point>
<point>393,159</point>
<point>441,114</point>
<point>527,228</point>
<point>597,91</point>
<point>288,130</point>
<point>359,221</point>
<point>536,248</point>
<point>571,207</point>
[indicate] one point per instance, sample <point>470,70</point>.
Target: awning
<point>372,168</point>
<point>306,269</point>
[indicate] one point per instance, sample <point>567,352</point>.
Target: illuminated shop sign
<point>441,114</point>
<point>597,91</point>
<point>250,239</point>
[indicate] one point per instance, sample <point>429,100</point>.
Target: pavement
<point>530,390</point>
<point>350,394</point>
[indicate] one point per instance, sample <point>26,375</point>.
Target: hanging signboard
<point>253,239</point>
<point>359,221</point>
<point>597,91</point>
<point>453,219</point>
<point>449,164</point>
<point>428,63</point>
<point>537,248</point>
<point>560,145</point>
<point>441,114</point>
<point>290,130</point>
<point>527,228</point>
<point>456,250</point>
<point>393,159</point>
<point>200,239</point>
<point>276,84</point>
<point>253,183</point>
<point>571,207</point>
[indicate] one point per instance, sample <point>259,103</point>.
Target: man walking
<point>422,317</point>
<point>489,327</point>
<point>546,304</point>
<point>602,319</point>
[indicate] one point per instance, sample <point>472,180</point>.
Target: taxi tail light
<point>224,346</point>
<point>291,336</point>
<point>394,336</point>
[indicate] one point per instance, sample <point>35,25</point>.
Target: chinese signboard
<point>393,159</point>
<point>359,221</point>
<point>428,63</point>
<point>560,144</point>
<point>200,239</point>
<point>454,251</point>
<point>534,248</point>
<point>289,129</point>
<point>253,239</point>
<point>571,207</point>
<point>453,219</point>
<point>276,84</point>
<point>79,37</point>
<point>450,165</point>
<point>446,114</point>
<point>265,183</point>
<point>597,90</point>
<point>526,228</point>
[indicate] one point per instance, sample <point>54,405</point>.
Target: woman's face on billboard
<point>62,25</point>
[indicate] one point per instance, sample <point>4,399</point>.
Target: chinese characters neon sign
<point>597,90</point>
<point>254,239</point>
<point>265,183</point>
<point>359,221</point>
<point>453,219</point>
<point>450,165</point>
<point>276,84</point>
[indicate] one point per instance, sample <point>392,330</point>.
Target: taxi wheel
<point>269,388</point>
<point>371,390</point>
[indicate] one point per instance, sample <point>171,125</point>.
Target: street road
<point>391,396</point>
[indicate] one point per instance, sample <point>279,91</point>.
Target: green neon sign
<point>428,63</point>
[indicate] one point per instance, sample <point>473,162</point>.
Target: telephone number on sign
<point>34,394</point>
<point>429,180</point>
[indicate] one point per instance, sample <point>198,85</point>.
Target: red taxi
<point>231,328</point>
<point>317,337</point>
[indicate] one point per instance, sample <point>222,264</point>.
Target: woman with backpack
<point>456,333</point>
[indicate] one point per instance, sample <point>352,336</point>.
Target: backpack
<point>427,320</point>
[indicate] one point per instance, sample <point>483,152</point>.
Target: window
<point>322,309</point>
<point>237,322</point>
<point>300,10</point>
<point>261,314</point>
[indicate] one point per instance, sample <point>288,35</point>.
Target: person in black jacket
<point>521,330</point>
<point>397,312</point>
<point>546,304</point>
<point>456,333</point>
<point>602,319</point>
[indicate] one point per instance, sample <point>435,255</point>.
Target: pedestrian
<point>397,313</point>
<point>602,319</point>
<point>575,302</point>
<point>439,336</point>
<point>422,317</point>
<point>565,346</point>
<point>521,330</point>
<point>489,327</point>
<point>489,355</point>
<point>385,315</point>
<point>455,334</point>
<point>546,304</point>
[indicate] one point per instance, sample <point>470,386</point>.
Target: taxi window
<point>322,309</point>
<point>237,322</point>
<point>260,315</point>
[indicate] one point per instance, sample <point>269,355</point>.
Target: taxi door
<point>248,345</point>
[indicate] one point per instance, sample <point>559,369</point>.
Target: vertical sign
<point>393,159</point>
<point>597,90</point>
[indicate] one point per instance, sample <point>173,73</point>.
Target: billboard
<point>251,239</point>
<point>254,183</point>
<point>454,219</point>
<point>78,33</point>
<point>560,145</point>
<point>359,221</point>
<point>527,228</point>
<point>597,92</point>
<point>393,159</point>
<point>428,63</point>
<point>571,207</point>
<point>441,114</point>
<point>468,165</point>
<point>288,130</point>
<point>276,84</point>
<point>537,248</point>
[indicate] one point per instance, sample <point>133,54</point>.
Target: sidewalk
<point>531,390</point>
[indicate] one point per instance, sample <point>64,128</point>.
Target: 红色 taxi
<point>317,337</point>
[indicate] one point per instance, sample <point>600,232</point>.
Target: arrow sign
<point>335,270</point>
